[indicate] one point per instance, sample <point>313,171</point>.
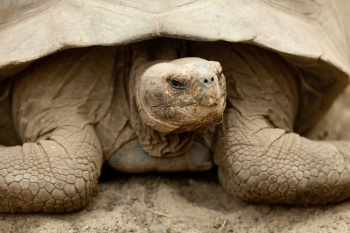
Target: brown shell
<point>312,35</point>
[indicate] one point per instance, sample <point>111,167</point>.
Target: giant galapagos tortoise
<point>145,104</point>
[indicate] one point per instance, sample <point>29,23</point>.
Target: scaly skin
<point>57,167</point>
<point>260,159</point>
<point>264,164</point>
<point>54,175</point>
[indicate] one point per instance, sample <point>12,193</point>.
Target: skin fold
<point>58,165</point>
<point>260,158</point>
<point>62,108</point>
<point>158,106</point>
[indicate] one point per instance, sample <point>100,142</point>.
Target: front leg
<point>54,175</point>
<point>56,102</point>
<point>260,158</point>
<point>260,163</point>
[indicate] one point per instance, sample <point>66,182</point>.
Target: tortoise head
<point>181,95</point>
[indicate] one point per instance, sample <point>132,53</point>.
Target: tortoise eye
<point>177,84</point>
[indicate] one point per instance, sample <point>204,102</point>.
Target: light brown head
<point>182,95</point>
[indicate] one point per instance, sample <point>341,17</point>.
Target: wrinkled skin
<point>68,112</point>
<point>63,112</point>
<point>260,158</point>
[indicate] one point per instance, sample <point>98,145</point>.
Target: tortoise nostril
<point>206,81</point>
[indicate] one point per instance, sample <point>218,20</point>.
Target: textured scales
<point>260,158</point>
<point>69,108</point>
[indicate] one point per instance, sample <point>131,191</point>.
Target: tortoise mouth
<point>194,104</point>
<point>177,118</point>
<point>198,101</point>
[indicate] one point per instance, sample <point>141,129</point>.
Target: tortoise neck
<point>155,143</point>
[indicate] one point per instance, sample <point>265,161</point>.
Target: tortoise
<point>170,86</point>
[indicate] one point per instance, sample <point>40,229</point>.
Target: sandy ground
<point>190,202</point>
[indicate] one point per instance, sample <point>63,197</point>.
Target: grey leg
<point>53,175</point>
<point>56,102</point>
<point>259,156</point>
